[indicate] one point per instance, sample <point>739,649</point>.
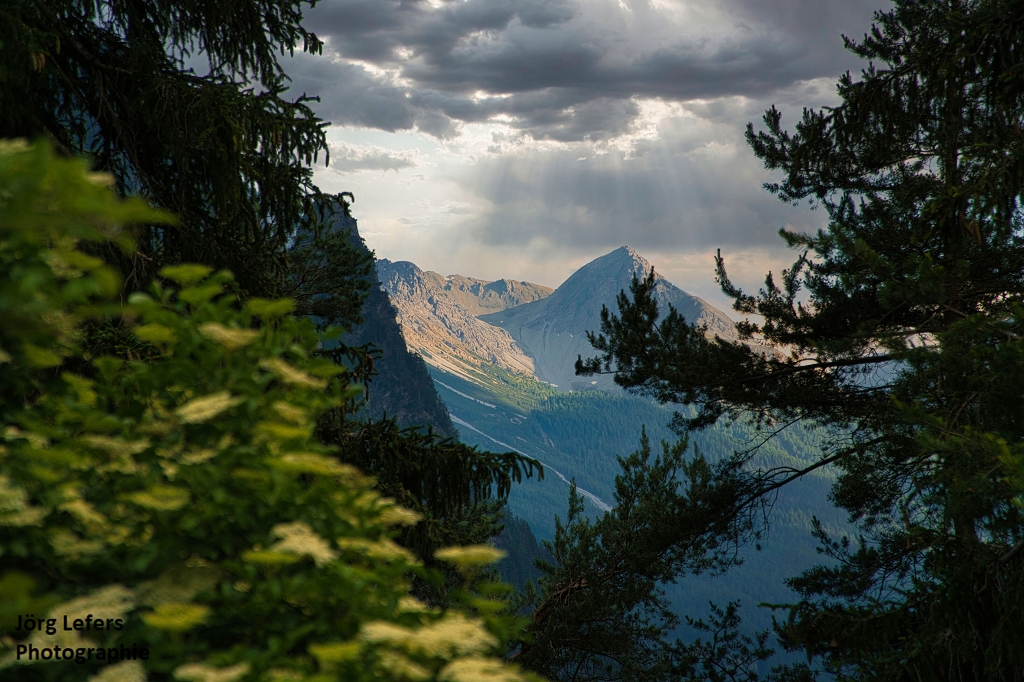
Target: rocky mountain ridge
<point>477,296</point>
<point>458,323</point>
<point>437,317</point>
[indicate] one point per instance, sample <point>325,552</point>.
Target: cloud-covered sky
<point>523,138</point>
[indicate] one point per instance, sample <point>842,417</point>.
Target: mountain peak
<point>404,267</point>
<point>625,258</point>
<point>628,251</point>
<point>553,330</point>
<point>613,272</point>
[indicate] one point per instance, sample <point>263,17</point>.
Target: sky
<point>524,138</point>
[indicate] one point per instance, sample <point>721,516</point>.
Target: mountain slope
<point>552,330</point>
<point>436,314</point>
<point>402,388</point>
<point>580,434</point>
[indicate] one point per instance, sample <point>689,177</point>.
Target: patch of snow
<point>455,390</point>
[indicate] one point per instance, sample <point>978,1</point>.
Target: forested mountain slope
<point>580,435</point>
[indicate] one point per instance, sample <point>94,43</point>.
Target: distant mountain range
<point>501,355</point>
<point>477,296</point>
<point>459,324</point>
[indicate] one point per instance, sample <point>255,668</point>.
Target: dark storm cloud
<point>350,95</point>
<point>564,70</point>
<point>808,21</point>
<point>376,30</point>
<point>690,185</point>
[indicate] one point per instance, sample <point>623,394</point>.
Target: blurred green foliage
<point>186,493</point>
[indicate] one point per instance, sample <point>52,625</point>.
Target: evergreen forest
<point>192,488</point>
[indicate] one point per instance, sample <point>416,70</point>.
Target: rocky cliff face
<point>437,316</point>
<point>403,388</point>
<point>552,331</point>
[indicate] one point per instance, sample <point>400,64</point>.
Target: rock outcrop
<point>402,389</point>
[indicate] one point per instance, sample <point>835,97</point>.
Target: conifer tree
<point>600,611</point>
<point>898,327</point>
<point>229,151</point>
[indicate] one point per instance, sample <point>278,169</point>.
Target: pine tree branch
<point>800,473</point>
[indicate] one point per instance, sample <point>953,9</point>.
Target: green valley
<point>580,435</point>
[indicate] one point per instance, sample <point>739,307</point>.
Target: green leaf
<point>187,274</point>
